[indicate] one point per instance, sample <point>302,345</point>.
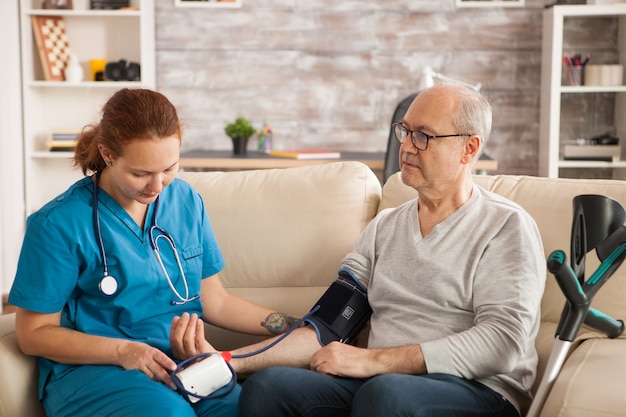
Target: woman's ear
<point>105,153</point>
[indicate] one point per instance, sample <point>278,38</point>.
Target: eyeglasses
<point>419,139</point>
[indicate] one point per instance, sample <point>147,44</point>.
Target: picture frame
<point>208,3</point>
<point>489,3</point>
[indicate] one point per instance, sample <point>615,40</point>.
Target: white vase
<point>73,71</point>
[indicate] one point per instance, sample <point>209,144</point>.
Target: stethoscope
<point>108,284</point>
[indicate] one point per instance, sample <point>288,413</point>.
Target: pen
<point>586,60</point>
<point>567,60</point>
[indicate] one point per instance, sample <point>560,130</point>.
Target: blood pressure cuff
<point>342,311</point>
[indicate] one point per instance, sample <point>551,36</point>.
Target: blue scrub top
<point>60,266</point>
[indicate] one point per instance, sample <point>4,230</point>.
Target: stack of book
<point>610,153</point>
<point>63,140</point>
<point>306,154</point>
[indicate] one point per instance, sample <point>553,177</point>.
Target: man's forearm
<point>295,350</point>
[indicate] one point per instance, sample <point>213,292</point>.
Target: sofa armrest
<point>18,375</point>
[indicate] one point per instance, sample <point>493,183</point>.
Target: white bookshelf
<point>553,91</point>
<point>59,105</point>
<point>11,161</point>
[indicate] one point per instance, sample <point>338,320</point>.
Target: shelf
<point>84,84</point>
<point>589,10</point>
<point>52,155</point>
<point>83,13</point>
<point>593,89</point>
<point>591,164</point>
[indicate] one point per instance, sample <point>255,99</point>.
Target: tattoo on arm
<point>277,323</point>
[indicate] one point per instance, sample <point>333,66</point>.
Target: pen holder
<point>573,74</point>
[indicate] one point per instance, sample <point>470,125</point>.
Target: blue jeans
<point>283,391</point>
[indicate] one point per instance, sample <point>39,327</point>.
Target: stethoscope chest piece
<point>108,285</point>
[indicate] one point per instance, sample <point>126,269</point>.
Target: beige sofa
<point>283,233</point>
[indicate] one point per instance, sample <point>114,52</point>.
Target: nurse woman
<point>107,266</point>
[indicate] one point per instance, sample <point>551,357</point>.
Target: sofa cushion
<point>591,382</point>
<point>283,232</point>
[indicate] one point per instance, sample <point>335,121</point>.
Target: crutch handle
<point>566,278</point>
<point>608,325</point>
<point>577,310</point>
<point>577,301</point>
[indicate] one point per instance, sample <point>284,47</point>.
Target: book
<point>62,146</point>
<point>63,140</point>
<point>306,154</point>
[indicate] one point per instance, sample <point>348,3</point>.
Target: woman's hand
<point>187,337</point>
<point>149,360</point>
<point>41,335</point>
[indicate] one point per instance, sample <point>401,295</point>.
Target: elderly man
<point>454,279</point>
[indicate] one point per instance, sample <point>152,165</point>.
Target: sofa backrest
<point>549,202</point>
<point>284,232</point>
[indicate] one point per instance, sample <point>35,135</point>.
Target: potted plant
<point>239,132</point>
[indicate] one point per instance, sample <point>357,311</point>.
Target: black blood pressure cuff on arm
<point>342,311</point>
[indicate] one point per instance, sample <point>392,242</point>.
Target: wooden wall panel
<point>329,73</point>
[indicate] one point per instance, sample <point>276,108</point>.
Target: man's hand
<point>341,359</point>
<point>187,337</point>
<point>149,360</point>
<point>345,360</point>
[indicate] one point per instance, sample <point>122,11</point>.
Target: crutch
<point>598,223</point>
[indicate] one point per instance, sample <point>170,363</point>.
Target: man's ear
<point>472,146</point>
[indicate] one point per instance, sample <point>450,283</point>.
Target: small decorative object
<point>73,71</point>
<point>96,66</point>
<point>109,4</point>
<point>57,4</point>
<point>239,132</point>
<point>122,71</point>
<point>53,45</point>
<point>264,136</point>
